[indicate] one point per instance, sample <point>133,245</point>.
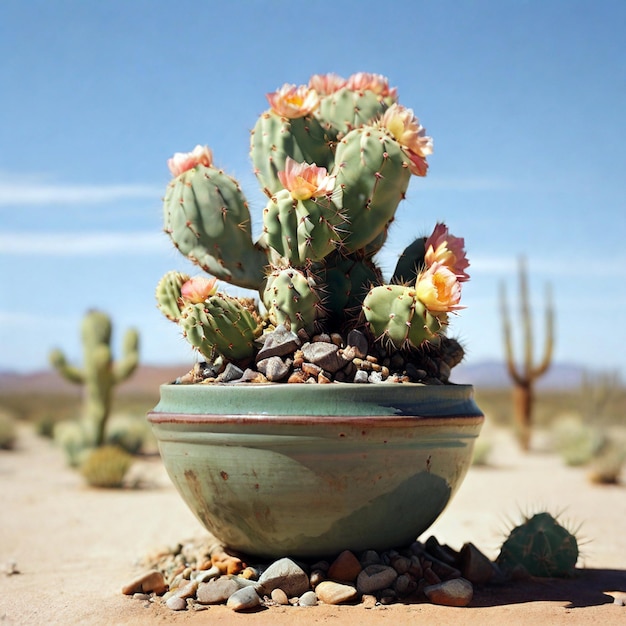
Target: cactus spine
<point>525,376</point>
<point>100,374</point>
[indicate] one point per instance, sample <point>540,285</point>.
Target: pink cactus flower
<point>442,247</point>
<point>306,181</point>
<point>410,134</point>
<point>363,81</point>
<point>293,102</point>
<point>438,289</point>
<point>198,289</point>
<point>326,84</point>
<point>183,161</point>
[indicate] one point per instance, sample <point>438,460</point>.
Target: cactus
<point>106,466</point>
<point>541,546</point>
<point>525,377</point>
<point>100,374</point>
<point>335,159</point>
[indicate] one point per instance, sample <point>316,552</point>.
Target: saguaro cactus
<point>100,373</point>
<point>525,376</point>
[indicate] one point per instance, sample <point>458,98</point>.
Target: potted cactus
<point>368,455</point>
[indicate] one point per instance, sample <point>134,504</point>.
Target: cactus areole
<point>334,159</point>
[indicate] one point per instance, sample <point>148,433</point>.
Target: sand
<point>75,547</point>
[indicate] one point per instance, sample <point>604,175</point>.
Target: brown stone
<point>150,582</point>
<point>455,592</point>
<point>331,592</point>
<point>345,568</point>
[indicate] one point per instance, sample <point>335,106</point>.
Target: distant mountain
<point>147,378</point>
<point>493,374</point>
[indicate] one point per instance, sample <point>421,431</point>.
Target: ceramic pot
<point>310,470</point>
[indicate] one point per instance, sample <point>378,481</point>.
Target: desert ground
<point>66,550</point>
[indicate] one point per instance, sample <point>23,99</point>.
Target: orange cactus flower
<point>442,247</point>
<point>293,102</point>
<point>363,81</point>
<point>438,289</point>
<point>183,161</point>
<point>410,134</point>
<point>305,181</point>
<point>325,84</point>
<point>198,289</point>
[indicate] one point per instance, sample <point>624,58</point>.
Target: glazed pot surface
<point>310,470</point>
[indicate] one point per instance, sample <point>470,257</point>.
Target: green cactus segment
<point>168,294</point>
<point>410,263</point>
<point>301,231</point>
<point>542,546</point>
<point>373,173</point>
<point>291,298</point>
<point>275,138</point>
<point>99,374</point>
<point>347,281</point>
<point>396,316</point>
<point>207,218</point>
<point>345,110</point>
<point>222,324</point>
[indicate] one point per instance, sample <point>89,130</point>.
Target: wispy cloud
<point>36,193</point>
<point>81,244</point>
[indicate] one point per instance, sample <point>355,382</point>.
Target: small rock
<point>274,368</point>
<point>375,577</point>
<point>455,592</point>
<point>176,603</point>
<point>476,567</point>
<point>279,596</point>
<point>345,568</point>
<point>361,377</point>
<point>405,585</point>
<point>331,592</point>
<point>150,582</point>
<point>400,563</point>
<point>244,599</point>
<point>317,576</point>
<point>308,598</point>
<point>368,601</point>
<point>287,575</point>
<point>187,591</point>
<point>231,372</point>
<point>141,596</point>
<point>357,340</point>
<point>370,557</point>
<point>619,598</point>
<point>326,355</point>
<point>252,376</point>
<point>280,342</point>
<point>216,591</point>
<point>388,596</point>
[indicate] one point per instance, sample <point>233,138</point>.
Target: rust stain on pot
<point>224,475</point>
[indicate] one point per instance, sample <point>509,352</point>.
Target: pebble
<point>345,568</point>
<point>287,575</point>
<point>280,342</point>
<point>150,582</point>
<point>454,592</point>
<point>176,603</point>
<point>325,355</point>
<point>375,578</point>
<point>476,567</point>
<point>331,592</point>
<point>358,341</point>
<point>308,598</point>
<point>244,599</point>
<point>279,596</point>
<point>216,591</point>
<point>274,368</point>
<point>231,372</point>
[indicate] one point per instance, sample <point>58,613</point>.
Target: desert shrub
<point>106,466</point>
<point>8,431</point>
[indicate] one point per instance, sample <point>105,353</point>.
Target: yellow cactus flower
<point>438,289</point>
<point>198,289</point>
<point>305,181</point>
<point>442,247</point>
<point>293,102</point>
<point>183,161</point>
<point>402,124</point>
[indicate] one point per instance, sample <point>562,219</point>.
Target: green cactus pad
<point>168,294</point>
<point>275,138</point>
<point>221,324</point>
<point>291,298</point>
<point>373,173</point>
<point>301,231</point>
<point>207,218</point>
<point>542,546</point>
<point>410,263</point>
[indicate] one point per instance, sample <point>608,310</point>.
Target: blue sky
<point>524,99</point>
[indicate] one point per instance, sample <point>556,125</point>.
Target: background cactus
<point>528,372</point>
<point>541,546</point>
<point>334,158</point>
<point>100,374</point>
